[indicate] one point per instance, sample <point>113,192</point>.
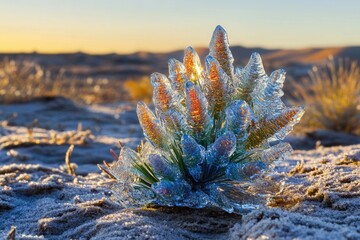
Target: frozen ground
<point>57,123</point>
<point>321,198</point>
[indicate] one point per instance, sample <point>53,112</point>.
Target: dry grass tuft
<point>139,89</point>
<point>331,96</point>
<point>40,136</point>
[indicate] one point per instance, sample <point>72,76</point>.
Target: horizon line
<point>163,52</point>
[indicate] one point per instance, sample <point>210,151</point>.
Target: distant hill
<point>122,66</point>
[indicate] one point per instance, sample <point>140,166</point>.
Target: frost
<point>162,168</point>
<point>215,133</point>
<point>177,75</point>
<point>194,156</point>
<point>217,88</point>
<point>192,65</point>
<point>219,152</point>
<point>238,118</point>
<point>198,116</point>
<point>220,50</point>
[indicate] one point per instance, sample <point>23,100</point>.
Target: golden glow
<point>196,107</point>
<point>128,26</point>
<point>217,89</point>
<point>192,64</point>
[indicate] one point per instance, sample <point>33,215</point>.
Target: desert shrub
<point>22,80</point>
<point>331,95</point>
<point>139,89</point>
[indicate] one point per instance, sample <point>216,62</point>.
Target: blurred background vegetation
<point>96,52</point>
<point>330,91</point>
<point>331,96</point>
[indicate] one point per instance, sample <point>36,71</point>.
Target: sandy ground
<point>320,200</point>
<point>40,132</point>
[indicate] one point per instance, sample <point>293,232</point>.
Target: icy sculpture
<point>215,131</point>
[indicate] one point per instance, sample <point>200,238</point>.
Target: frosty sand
<point>322,193</point>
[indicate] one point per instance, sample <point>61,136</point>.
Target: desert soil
<point>320,199</point>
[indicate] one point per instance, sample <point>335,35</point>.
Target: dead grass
<point>29,137</point>
<point>139,90</point>
<point>331,96</point>
<point>22,81</point>
<point>69,167</point>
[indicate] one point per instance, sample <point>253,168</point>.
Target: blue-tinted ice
<point>215,133</point>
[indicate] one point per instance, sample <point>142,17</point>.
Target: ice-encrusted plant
<point>215,131</point>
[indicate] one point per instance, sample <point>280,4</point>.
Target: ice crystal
<point>215,131</point>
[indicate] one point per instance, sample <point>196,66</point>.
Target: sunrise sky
<point>125,26</point>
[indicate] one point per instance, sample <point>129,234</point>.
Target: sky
<point>126,26</point>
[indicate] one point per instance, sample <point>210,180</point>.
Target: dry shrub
<point>331,96</point>
<point>23,80</point>
<point>139,89</point>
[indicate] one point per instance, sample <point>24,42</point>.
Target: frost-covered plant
<point>214,132</point>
